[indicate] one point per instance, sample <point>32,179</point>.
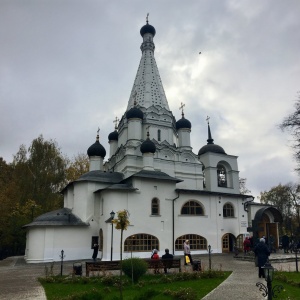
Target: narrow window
<point>158,135</point>
<point>155,206</point>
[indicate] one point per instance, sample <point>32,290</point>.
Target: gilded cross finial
<point>97,138</point>
<point>207,119</point>
<point>147,18</point>
<point>181,107</point>
<point>116,121</point>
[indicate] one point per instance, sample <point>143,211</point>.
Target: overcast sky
<point>68,66</point>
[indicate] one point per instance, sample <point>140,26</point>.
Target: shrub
<point>147,295</point>
<point>134,268</point>
<point>182,294</point>
<point>90,295</point>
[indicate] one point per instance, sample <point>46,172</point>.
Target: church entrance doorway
<point>265,224</point>
<point>228,241</point>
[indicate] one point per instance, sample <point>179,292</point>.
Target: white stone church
<point>171,193</point>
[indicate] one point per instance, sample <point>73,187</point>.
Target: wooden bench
<point>156,264</point>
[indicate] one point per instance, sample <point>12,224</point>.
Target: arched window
<point>222,179</point>
<point>197,242</point>
<point>192,208</point>
<point>228,211</point>
<point>159,135</point>
<point>141,242</point>
<point>155,206</point>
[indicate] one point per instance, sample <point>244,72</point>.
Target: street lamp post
<point>209,256</point>
<point>112,215</point>
<point>131,245</point>
<point>62,256</point>
<point>268,290</point>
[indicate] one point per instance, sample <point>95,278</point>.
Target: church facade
<point>171,193</point>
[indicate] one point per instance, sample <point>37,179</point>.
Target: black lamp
<point>269,290</point>
<point>268,271</point>
<point>112,214</point>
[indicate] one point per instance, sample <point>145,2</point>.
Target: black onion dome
<point>148,146</point>
<point>147,29</point>
<point>134,113</point>
<point>96,150</point>
<point>113,136</point>
<point>211,148</point>
<point>183,123</point>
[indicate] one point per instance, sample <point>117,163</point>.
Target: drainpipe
<point>173,222</point>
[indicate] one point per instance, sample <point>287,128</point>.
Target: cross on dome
<point>181,107</point>
<point>97,138</point>
<point>116,121</point>
<point>147,18</point>
<point>207,119</point>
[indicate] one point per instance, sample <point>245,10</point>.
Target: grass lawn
<point>291,285</point>
<point>149,287</point>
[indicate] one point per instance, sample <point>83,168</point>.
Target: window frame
<point>191,207</point>
<point>141,242</point>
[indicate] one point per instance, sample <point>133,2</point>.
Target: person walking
<point>95,252</point>
<point>187,252</point>
<point>262,253</point>
<point>167,256</point>
<point>247,245</point>
<point>285,243</point>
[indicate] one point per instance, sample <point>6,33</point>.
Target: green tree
<point>29,186</point>
<point>41,173</point>
<point>286,199</point>
<point>77,166</point>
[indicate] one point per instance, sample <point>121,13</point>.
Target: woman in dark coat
<point>95,252</point>
<point>262,253</point>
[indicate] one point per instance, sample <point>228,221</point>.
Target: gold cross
<point>116,122</point>
<point>207,119</point>
<point>181,107</point>
<point>147,18</point>
<point>98,130</point>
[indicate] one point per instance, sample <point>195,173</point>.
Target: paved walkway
<point>18,280</point>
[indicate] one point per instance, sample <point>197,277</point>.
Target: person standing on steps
<point>262,253</point>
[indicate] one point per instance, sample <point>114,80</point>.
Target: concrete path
<point>18,280</point>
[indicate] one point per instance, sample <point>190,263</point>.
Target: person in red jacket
<point>247,245</point>
<point>155,256</point>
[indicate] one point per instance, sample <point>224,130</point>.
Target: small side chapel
<point>171,193</point>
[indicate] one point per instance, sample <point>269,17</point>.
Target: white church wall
<point>69,197</point>
<point>46,243</point>
<point>35,244</point>
<point>123,135</point>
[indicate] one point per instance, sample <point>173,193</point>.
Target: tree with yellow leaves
<point>121,223</point>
